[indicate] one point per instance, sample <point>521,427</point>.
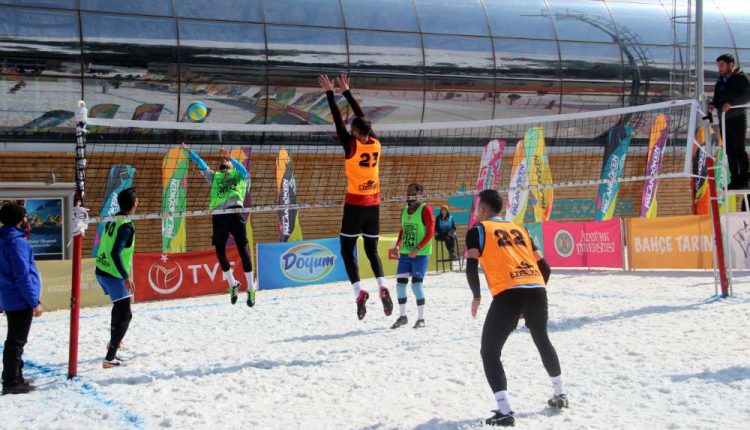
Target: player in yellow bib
<point>516,275</point>
<point>414,247</point>
<point>362,203</point>
<point>228,188</point>
<point>114,272</point>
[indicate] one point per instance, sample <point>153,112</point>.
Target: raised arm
<point>344,88</point>
<point>202,166</point>
<point>241,169</point>
<point>344,137</point>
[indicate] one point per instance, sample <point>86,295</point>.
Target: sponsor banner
<point>738,230</point>
<point>657,141</point>
<point>535,231</point>
<point>174,169</point>
<point>57,282</point>
<point>699,181</point>
<point>539,173</point>
<point>583,244</point>
<point>613,164</point>
<point>489,173</point>
<point>677,242</point>
<point>518,195</point>
<point>585,209</point>
<point>120,178</point>
<point>289,226</point>
<point>297,264</point>
<point>161,276</point>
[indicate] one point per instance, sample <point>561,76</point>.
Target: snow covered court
<point>638,351</point>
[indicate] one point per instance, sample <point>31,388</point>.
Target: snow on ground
<point>637,350</point>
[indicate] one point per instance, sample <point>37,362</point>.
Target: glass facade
<point>256,61</point>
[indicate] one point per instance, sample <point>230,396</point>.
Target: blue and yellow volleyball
<point>197,111</point>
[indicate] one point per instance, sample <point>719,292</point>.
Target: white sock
<point>402,309</point>
<point>420,312</point>
<point>357,288</point>
<point>250,281</point>
<point>381,282</point>
<point>503,402</point>
<point>557,384</point>
<point>230,277</point>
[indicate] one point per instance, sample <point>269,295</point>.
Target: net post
<point>75,294</point>
<point>717,228</point>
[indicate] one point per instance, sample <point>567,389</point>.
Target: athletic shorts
<point>364,220</point>
<point>113,287</point>
<point>415,267</point>
<point>529,302</point>
<point>226,224</point>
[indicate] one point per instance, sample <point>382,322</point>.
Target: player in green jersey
<point>228,189</point>
<point>114,270</point>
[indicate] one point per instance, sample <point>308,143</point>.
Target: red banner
<point>169,276</point>
<point>583,244</point>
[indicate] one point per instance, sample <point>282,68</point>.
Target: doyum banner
<point>296,264</point>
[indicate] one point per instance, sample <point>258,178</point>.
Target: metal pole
<point>717,228</point>
<point>75,294</point>
<point>700,83</point>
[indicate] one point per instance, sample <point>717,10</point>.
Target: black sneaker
<point>361,304</point>
<point>402,320</point>
<point>251,297</point>
<point>22,388</point>
<point>558,402</point>
<point>501,419</point>
<point>234,291</point>
<point>385,297</point>
<point>419,324</point>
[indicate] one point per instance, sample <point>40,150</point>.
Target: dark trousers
<point>19,324</point>
<point>121,316</point>
<point>348,245</point>
<point>736,153</point>
<point>450,241</point>
<point>223,226</point>
<point>502,319</point>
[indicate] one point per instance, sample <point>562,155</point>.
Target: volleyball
<point>197,111</point>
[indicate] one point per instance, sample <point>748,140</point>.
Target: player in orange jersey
<point>362,203</point>
<point>516,275</point>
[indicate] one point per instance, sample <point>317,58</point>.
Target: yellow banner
<point>677,242</point>
<point>56,284</point>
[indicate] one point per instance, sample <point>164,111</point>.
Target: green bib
<point>414,231</point>
<point>229,186</point>
<point>104,260</point>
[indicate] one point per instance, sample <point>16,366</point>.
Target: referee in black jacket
<point>732,89</point>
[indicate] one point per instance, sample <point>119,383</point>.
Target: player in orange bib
<point>362,202</point>
<point>516,275</point>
